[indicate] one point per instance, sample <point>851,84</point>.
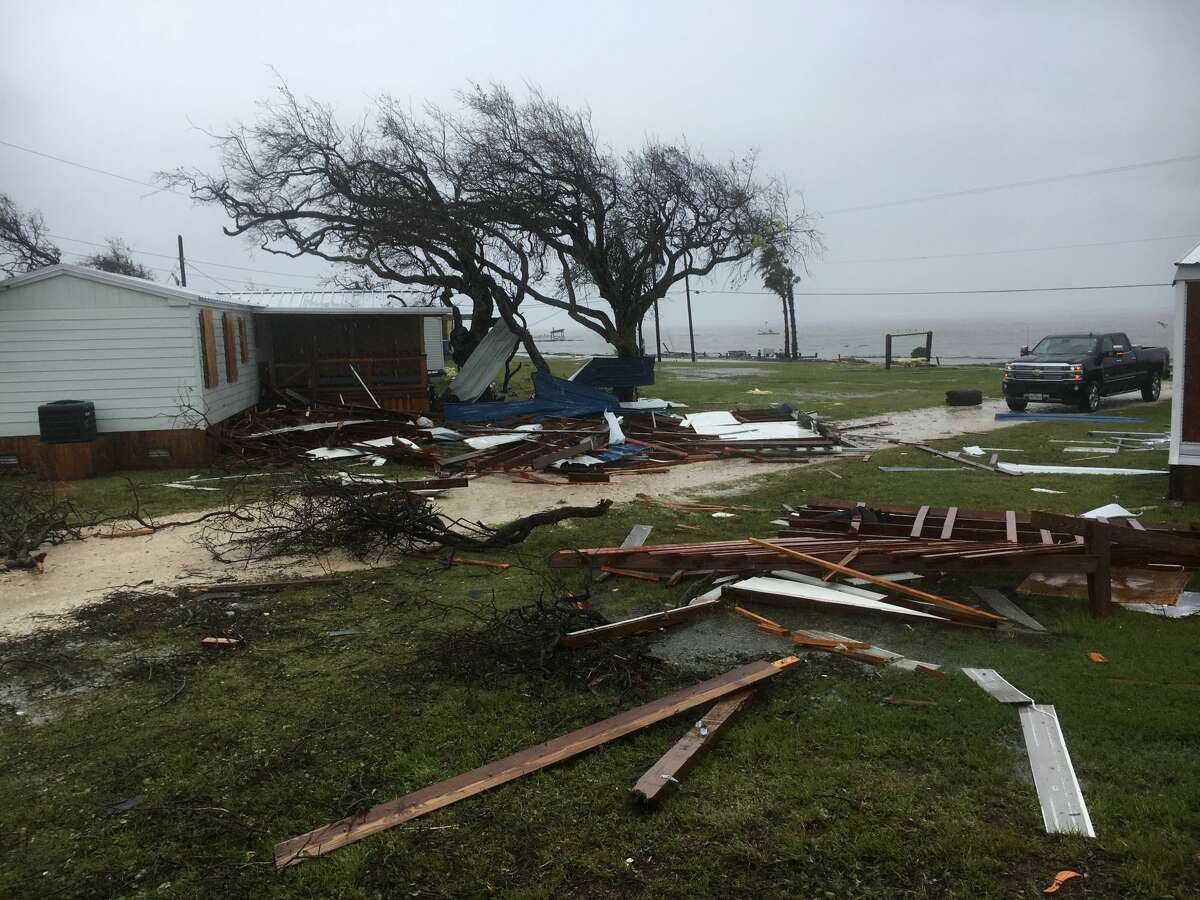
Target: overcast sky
<point>855,104</point>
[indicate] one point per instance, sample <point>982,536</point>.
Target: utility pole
<point>687,286</point>
<point>182,264</point>
<point>657,331</point>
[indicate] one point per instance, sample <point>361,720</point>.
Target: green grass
<point>820,790</point>
<point>835,390</point>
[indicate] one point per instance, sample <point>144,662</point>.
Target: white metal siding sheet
<point>435,357</point>
<point>69,338</point>
<point>225,399</point>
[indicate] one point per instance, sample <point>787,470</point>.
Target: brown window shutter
<point>227,328</point>
<point>208,348</point>
<point>243,344</point>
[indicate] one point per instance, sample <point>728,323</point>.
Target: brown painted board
<point>688,750</point>
<point>651,622</point>
<point>444,793</point>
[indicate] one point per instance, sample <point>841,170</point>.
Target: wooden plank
<point>436,796</point>
<point>231,365</point>
<point>1010,526</point>
<point>631,573</point>
<point>688,750</point>
<point>845,561</point>
<point>919,523</point>
<point>960,608</point>
<point>652,622</point>
<point>1006,607</point>
<point>208,348</point>
<point>1099,582</point>
<point>948,523</point>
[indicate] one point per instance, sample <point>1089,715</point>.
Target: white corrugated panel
<point>435,356</point>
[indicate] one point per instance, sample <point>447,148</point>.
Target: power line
<point>1166,237</point>
<point>1049,179</point>
<point>79,165</point>
<point>207,262</point>
<point>1035,290</point>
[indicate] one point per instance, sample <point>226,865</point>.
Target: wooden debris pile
<point>826,536</point>
<point>586,449</point>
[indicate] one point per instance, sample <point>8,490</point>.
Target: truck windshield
<point>1064,346</point>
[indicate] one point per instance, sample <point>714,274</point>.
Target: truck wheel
<point>964,398</point>
<point>1016,405</point>
<point>1152,388</point>
<point>1090,402</point>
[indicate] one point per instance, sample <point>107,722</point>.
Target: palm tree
<point>778,278</point>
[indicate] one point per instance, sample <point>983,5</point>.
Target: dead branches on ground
<point>293,522</point>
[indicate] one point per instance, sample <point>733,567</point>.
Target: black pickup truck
<point>1079,369</point>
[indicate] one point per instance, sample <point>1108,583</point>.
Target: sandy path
<point>80,572</point>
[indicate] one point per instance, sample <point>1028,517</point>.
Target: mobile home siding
<point>67,338</point>
<point>226,399</point>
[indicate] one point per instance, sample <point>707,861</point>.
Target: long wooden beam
<point>894,586</point>
<point>688,750</point>
<point>387,815</point>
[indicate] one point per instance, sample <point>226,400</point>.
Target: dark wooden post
<point>1099,581</point>
<point>887,351</point>
<point>929,348</point>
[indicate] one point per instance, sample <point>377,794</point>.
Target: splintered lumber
<point>761,621</point>
<point>444,793</point>
<point>905,701</point>
<point>950,606</point>
<point>680,759</point>
<point>651,622</point>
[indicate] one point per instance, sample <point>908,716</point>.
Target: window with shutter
<point>227,333</point>
<point>208,348</point>
<point>243,344</point>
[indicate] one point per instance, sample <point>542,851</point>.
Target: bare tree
<point>387,197</point>
<point>118,259</point>
<point>24,244</point>
<point>628,228</point>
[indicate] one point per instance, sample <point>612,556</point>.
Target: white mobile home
<point>162,364</point>
<point>159,364</point>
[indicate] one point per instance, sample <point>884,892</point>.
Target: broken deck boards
<point>444,793</point>
<point>680,759</point>
<point>1063,808</point>
<point>1007,608</point>
<point>994,683</point>
<point>652,622</point>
